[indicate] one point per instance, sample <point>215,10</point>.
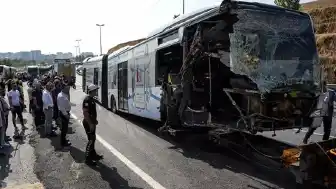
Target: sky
<point>54,25</point>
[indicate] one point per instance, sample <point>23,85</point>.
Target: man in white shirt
<point>30,96</point>
<point>64,108</point>
<point>16,108</point>
<point>48,107</point>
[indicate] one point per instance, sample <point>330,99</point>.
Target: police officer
<point>327,111</point>
<point>90,122</point>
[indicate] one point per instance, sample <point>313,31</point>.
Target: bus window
<point>169,61</point>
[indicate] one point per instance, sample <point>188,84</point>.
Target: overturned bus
<point>246,66</point>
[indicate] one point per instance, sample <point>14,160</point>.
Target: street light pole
<point>78,46</point>
<point>100,37</point>
<point>183,1</point>
<point>76,55</point>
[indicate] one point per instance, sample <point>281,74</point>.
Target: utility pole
<point>183,1</point>
<point>100,37</point>
<point>78,46</point>
<point>76,54</point>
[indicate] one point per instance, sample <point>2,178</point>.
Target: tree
<point>289,4</point>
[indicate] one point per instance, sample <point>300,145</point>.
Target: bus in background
<point>33,72</point>
<point>67,68</point>
<point>95,72</point>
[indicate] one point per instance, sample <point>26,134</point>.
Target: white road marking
<point>315,133</point>
<point>144,176</point>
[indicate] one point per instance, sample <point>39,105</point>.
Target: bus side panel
<point>142,83</point>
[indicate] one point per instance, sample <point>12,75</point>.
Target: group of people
<point>49,100</point>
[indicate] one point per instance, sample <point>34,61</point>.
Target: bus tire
<point>113,105</point>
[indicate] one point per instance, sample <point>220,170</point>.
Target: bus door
<point>95,78</point>
<point>122,86</point>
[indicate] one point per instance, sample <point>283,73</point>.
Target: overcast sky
<point>54,25</point>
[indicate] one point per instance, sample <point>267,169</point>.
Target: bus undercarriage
<point>229,83</point>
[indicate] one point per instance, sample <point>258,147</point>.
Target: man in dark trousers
<point>38,105</point>
<point>54,93</point>
<point>326,106</point>
<point>90,122</point>
<point>64,108</point>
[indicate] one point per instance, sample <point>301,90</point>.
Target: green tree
<point>289,4</point>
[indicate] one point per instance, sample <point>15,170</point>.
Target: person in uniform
<point>90,122</point>
<point>327,110</point>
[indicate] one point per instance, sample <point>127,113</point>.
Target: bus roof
<point>182,20</point>
<point>199,15</point>
<point>32,66</point>
<point>95,59</point>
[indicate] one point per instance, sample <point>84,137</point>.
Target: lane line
<point>315,133</point>
<point>144,176</point>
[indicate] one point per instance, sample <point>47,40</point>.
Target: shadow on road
<point>197,146</point>
<point>108,174</point>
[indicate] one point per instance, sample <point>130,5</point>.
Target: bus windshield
<point>274,49</point>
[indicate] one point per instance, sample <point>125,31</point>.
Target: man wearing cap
<point>89,123</point>
<point>64,108</point>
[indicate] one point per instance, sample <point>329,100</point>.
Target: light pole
<point>100,37</point>
<point>76,55</point>
<point>78,46</point>
<point>183,2</point>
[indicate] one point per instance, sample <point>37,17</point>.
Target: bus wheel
<point>113,105</point>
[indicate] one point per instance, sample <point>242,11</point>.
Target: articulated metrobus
<point>276,43</point>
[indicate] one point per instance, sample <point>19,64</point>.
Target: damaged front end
<point>248,67</point>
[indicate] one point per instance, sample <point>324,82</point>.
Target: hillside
<point>323,13</point>
<point>319,4</point>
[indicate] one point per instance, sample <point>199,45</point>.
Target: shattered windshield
<point>274,49</point>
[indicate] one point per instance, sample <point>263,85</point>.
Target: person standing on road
<point>54,94</point>
<point>37,105</point>
<point>5,108</point>
<point>48,106</point>
<point>64,108</point>
<point>30,96</point>
<point>327,111</point>
<point>15,106</point>
<point>90,122</point>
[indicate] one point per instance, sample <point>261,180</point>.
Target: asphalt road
<point>136,157</point>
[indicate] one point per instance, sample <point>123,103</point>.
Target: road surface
<point>135,157</point>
